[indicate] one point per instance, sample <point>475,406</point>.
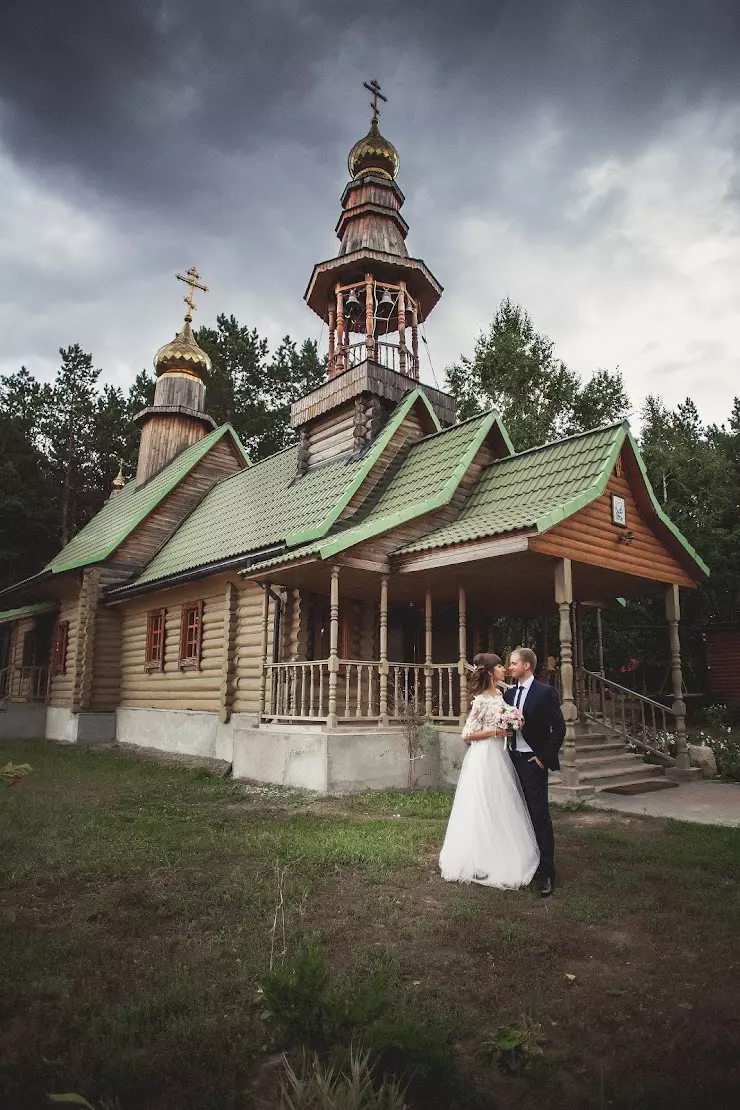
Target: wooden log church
<point>292,616</point>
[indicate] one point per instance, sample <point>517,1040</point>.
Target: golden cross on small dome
<point>374,87</point>
<point>190,277</point>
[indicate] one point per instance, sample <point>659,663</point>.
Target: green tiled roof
<point>127,508</point>
<point>28,611</point>
<point>524,489</point>
<point>267,505</point>
<point>252,510</point>
<point>425,478</point>
<point>537,489</point>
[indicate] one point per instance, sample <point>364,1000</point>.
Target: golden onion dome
<point>375,154</point>
<point>182,353</point>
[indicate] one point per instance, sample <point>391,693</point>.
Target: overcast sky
<point>582,158</point>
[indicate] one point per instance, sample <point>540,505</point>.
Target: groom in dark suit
<point>534,752</point>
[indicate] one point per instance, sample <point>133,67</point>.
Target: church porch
<point>431,613</point>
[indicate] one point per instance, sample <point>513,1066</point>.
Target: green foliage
<point>309,1008</point>
<point>12,773</point>
<point>723,737</point>
<point>323,1087</point>
<point>695,472</point>
<point>515,1048</point>
<point>514,369</point>
<point>28,503</point>
<point>253,390</point>
<point>60,442</point>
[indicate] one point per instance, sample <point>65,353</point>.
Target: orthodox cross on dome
<point>190,277</point>
<point>374,87</point>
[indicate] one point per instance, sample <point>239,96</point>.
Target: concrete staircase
<point>604,763</point>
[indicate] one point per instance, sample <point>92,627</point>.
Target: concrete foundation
<point>185,731</point>
<point>22,720</point>
<point>84,728</point>
<point>348,760</point>
<point>308,757</point>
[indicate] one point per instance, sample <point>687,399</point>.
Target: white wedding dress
<point>489,838</point>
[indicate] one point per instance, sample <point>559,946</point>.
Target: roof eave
<point>121,593</point>
<point>693,555</point>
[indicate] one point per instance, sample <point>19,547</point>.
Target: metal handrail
<point>626,690</point>
<point>639,725</point>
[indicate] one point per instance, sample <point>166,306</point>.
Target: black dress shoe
<point>547,885</point>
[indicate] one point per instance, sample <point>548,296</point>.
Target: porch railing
<point>382,352</point>
<point>24,683</point>
<point>299,691</point>
<point>432,692</point>
<point>645,724</point>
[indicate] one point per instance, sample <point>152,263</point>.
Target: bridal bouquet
<point>510,719</point>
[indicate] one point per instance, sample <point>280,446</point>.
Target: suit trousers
<point>534,785</point>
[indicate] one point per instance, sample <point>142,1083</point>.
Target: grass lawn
<point>138,902</point>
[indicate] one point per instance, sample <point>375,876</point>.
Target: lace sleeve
<point>476,719</point>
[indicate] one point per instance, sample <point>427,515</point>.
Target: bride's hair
<point>483,675</point>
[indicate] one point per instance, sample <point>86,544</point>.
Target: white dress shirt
<point>521,743</point>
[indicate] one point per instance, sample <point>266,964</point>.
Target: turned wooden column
<point>263,644</point>
<point>428,672</point>
<point>331,720</point>
<point>580,676</point>
<point>545,669</point>
<point>402,327</point>
<point>564,599</point>
<point>384,650</point>
<point>673,613</point>
<point>600,640</point>
<point>415,339</point>
<point>332,336</point>
<point>462,625</point>
<point>339,355</point>
<point>228,657</point>
<point>369,317</point>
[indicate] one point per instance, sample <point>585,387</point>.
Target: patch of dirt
<point>219,767</point>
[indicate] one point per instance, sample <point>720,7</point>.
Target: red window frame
<point>155,629</point>
<point>59,648</point>
<point>191,636</point>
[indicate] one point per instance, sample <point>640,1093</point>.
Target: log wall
<point>248,647</point>
<point>590,537</point>
<point>173,688</point>
<point>105,690</point>
<point>62,686</point>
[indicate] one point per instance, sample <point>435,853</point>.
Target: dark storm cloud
<point>577,156</point>
<point>126,92</point>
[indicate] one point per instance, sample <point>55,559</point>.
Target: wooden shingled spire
<point>374,297</point>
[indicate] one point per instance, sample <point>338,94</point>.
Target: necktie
<point>512,737</point>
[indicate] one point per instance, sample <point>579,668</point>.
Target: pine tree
<point>514,369</point>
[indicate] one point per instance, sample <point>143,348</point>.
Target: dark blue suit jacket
<point>544,724</point>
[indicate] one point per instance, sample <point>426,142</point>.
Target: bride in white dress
<point>490,839</point>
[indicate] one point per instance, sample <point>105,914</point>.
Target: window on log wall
<point>191,636</point>
<point>155,640</point>
<point>59,648</point>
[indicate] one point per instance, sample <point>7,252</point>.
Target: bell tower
<point>373,298</point>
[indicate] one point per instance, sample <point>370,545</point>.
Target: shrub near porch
<point>138,918</point>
